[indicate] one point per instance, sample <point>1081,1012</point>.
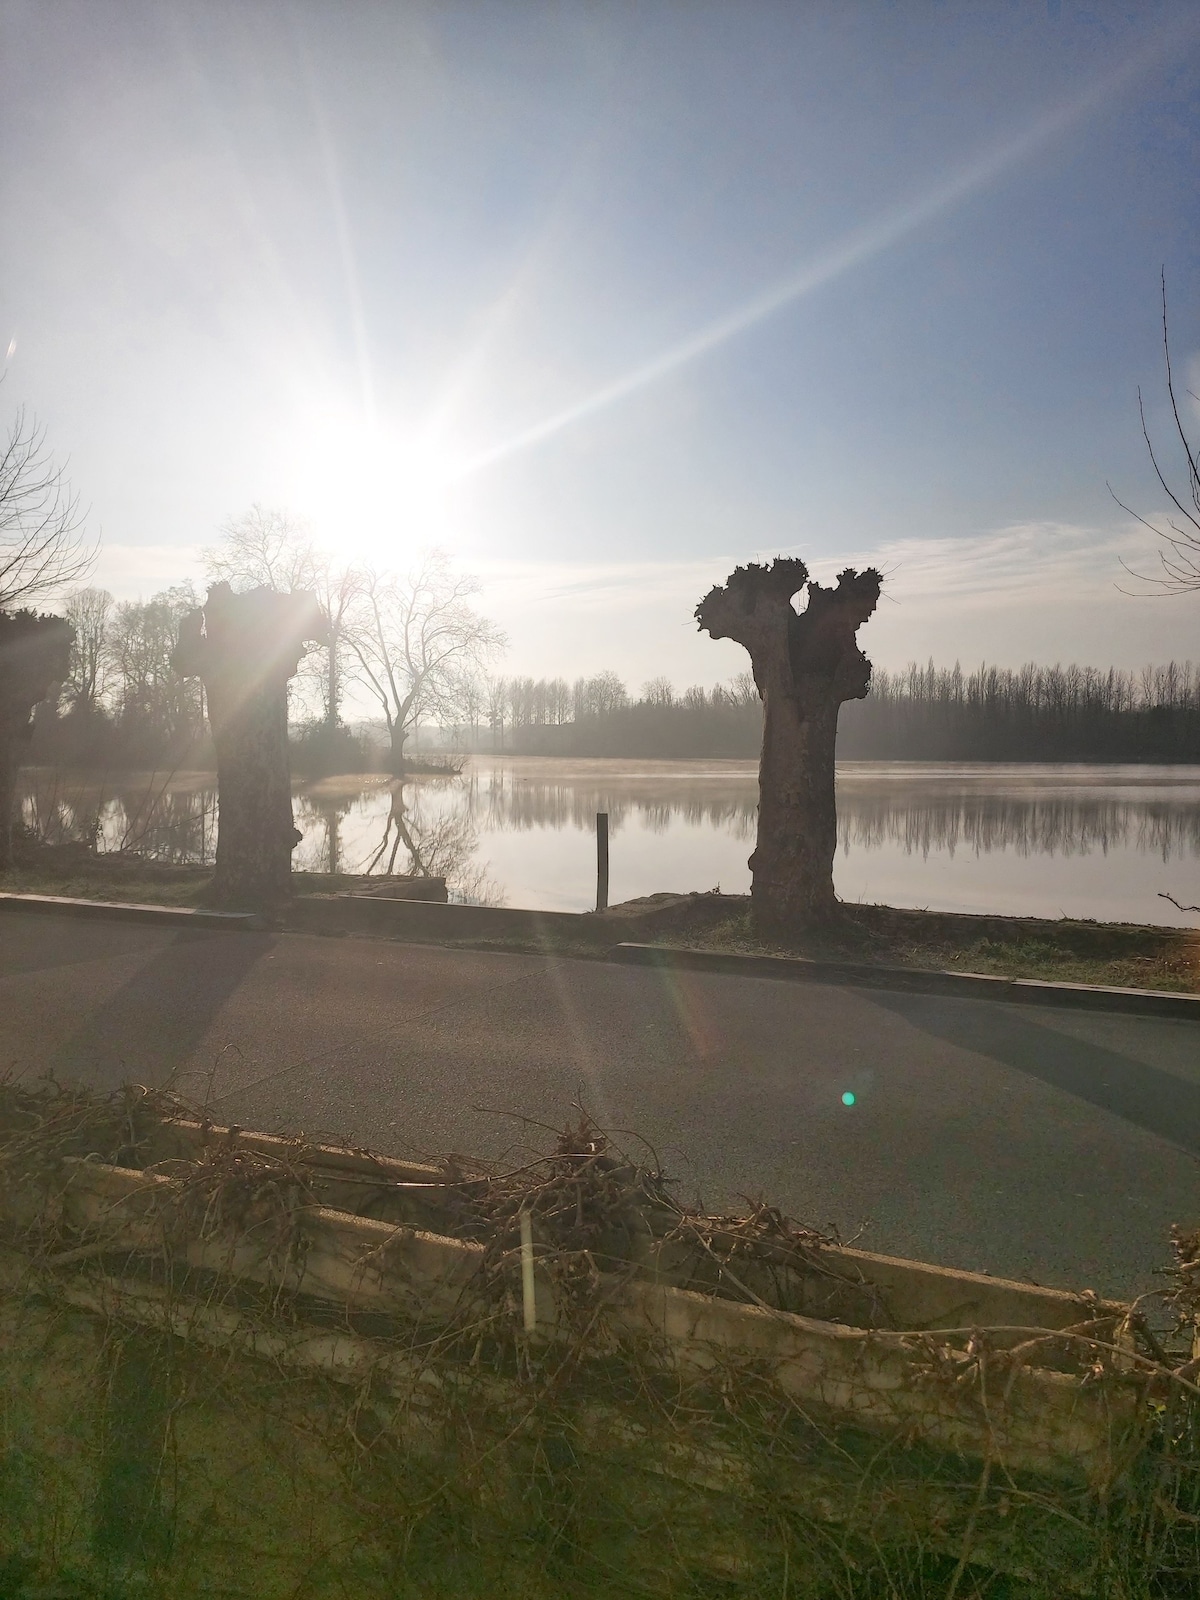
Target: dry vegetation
<point>195,1449</point>
<point>1126,956</point>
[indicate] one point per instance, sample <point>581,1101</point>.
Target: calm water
<point>1042,840</point>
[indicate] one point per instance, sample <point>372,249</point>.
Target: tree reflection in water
<point>419,836</point>
<point>166,818</point>
<point>437,826</point>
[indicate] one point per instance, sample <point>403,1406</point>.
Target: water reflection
<point>428,828</point>
<point>522,796</point>
<point>170,819</point>
<point>1035,839</point>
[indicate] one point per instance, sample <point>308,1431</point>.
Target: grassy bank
<point>1120,954</point>
<point>78,873</point>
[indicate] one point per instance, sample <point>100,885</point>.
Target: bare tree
<point>658,692</point>
<point>742,690</point>
<point>89,612</point>
<point>412,638</point>
<point>42,544</point>
<point>268,548</point>
<point>470,696</point>
<point>495,696</point>
<point>337,589</point>
<point>1179,552</point>
<point>159,709</point>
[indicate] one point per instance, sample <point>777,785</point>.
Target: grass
<point>75,873</point>
<point>1121,955</point>
<point>1136,958</point>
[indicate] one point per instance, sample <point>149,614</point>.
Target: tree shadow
<point>1146,1096</point>
<point>150,1029</point>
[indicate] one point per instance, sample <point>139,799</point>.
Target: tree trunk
<point>8,796</point>
<point>35,655</point>
<point>333,682</point>
<point>398,734</point>
<point>805,666</point>
<point>245,647</point>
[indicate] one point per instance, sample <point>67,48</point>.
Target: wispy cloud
<point>1027,591</point>
<point>1024,563</point>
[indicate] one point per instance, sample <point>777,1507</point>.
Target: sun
<point>372,492</point>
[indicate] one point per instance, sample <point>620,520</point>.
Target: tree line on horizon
<point>422,656</point>
<point>921,713</point>
<point>125,706</point>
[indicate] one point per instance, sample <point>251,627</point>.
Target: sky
<point>606,298</point>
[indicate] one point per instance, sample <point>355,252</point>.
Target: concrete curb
<point>124,911</point>
<point>915,980</point>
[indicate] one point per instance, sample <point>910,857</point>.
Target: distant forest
<point>126,708</point>
<point>920,714</point>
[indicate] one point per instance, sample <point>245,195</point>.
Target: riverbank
<point>1124,955</point>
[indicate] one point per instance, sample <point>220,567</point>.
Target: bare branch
<point>1179,552</point>
<point>1176,903</point>
<point>43,548</point>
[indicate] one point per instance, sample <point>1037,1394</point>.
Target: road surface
<point>1026,1142</point>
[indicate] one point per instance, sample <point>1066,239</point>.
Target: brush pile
<point>242,1365</point>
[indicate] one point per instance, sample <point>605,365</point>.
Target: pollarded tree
<point>35,657</point>
<point>245,647</point>
<point>269,548</point>
<point>412,638</point>
<point>805,665</point>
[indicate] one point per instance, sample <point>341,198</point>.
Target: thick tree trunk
<point>792,865</point>
<point>245,647</point>
<point>35,656</point>
<point>805,666</point>
<point>399,738</point>
<point>256,832</point>
<point>8,796</point>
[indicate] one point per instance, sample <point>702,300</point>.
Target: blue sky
<point>607,297</point>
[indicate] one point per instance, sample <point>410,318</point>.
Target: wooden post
<point>602,861</point>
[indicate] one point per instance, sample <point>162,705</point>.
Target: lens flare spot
<point>848,1098</point>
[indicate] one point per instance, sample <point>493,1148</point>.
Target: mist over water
<point>1082,841</point>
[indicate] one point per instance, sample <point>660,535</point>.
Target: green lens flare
<point>847,1098</point>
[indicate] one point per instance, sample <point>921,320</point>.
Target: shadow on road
<point>1147,1096</point>
<point>152,1026</point>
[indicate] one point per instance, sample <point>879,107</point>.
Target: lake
<point>1078,841</point>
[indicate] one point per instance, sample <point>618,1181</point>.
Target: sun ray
<point>861,245</point>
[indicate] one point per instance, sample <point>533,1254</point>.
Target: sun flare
<point>372,492</point>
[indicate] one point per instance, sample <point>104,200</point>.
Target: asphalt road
<point>1052,1145</point>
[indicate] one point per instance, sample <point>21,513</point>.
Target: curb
<point>915,980</point>
<point>124,911</point>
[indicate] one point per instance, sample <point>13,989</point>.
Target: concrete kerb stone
<point>915,980</point>
<point>125,911</point>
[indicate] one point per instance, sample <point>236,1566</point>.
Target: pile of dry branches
<point>252,1433</point>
